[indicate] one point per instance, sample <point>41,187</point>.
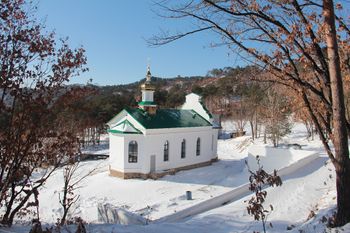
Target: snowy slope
<point>311,188</point>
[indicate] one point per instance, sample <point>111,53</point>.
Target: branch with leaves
<point>34,70</point>
<point>259,180</point>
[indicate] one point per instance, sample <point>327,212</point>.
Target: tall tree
<point>285,38</point>
<point>340,137</point>
<point>34,69</point>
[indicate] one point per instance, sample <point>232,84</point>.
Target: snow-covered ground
<point>308,189</point>
<point>156,198</point>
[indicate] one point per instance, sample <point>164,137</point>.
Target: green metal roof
<point>168,118</point>
<point>143,103</point>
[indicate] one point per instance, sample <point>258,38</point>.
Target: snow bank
<point>276,158</point>
<point>108,213</point>
<point>286,161</point>
<point>204,206</point>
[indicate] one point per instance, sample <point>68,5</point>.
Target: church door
<point>153,164</point>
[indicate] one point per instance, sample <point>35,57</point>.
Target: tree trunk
<point>256,124</point>
<point>64,201</point>
<point>9,216</point>
<point>339,135</point>
<point>252,129</point>
<point>274,140</point>
<point>343,194</point>
<point>92,137</point>
<point>5,218</point>
<point>98,136</point>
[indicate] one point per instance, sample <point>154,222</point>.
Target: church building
<point>150,142</point>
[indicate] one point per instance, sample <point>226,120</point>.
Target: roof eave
<point>122,132</point>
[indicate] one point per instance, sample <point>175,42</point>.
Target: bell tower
<point>147,89</point>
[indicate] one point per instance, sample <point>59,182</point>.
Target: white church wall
<point>193,101</point>
<point>175,159</point>
<point>139,166</point>
<point>116,154</point>
<point>153,144</point>
<point>157,141</point>
<point>214,141</point>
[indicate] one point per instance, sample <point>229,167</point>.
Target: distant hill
<point>170,92</point>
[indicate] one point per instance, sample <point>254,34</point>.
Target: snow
<point>307,187</point>
<point>156,197</point>
<point>276,158</point>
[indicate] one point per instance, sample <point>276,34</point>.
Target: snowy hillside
<point>306,190</point>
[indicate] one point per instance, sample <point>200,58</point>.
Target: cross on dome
<point>148,74</point>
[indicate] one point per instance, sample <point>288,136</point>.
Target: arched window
<point>166,151</point>
<point>198,147</point>
<point>183,148</point>
<point>133,152</point>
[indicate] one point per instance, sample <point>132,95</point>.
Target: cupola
<point>147,89</point>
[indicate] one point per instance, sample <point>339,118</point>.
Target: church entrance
<point>153,164</point>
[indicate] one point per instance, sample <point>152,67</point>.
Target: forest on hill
<point>233,94</point>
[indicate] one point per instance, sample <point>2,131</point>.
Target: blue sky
<point>113,33</point>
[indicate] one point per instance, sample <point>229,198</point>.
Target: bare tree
<point>72,179</point>
<point>34,69</point>
<point>275,115</point>
<point>286,38</point>
<point>301,114</point>
<point>238,115</point>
